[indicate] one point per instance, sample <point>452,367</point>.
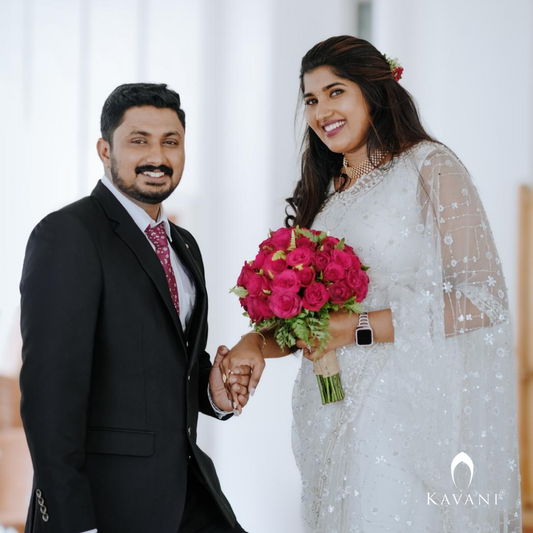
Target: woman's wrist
<point>256,339</point>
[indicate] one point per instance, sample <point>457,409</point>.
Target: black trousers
<point>201,514</point>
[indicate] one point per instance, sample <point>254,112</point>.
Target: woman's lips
<point>333,128</point>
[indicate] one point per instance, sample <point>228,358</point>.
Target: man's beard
<point>153,197</point>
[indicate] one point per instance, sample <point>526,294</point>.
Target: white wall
<point>235,64</point>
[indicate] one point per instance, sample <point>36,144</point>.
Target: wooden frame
<point>525,351</point>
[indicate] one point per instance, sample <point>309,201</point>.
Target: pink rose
<point>258,309</point>
<point>276,266</point>
<point>259,260</point>
<point>354,279</point>
<point>321,261</point>
<point>362,291</point>
<point>349,249</point>
<point>287,280</point>
<point>257,284</point>
<point>329,243</point>
<point>306,275</point>
<point>305,242</point>
<point>246,272</point>
<point>281,239</point>
<point>339,292</point>
<point>285,304</point>
<point>342,258</point>
<point>315,296</point>
<point>356,263</point>
<point>267,245</point>
<point>300,256</point>
<point>334,272</point>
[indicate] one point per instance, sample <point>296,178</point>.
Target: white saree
<point>381,459</point>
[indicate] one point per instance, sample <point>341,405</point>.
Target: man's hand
<point>231,393</point>
<point>246,355</point>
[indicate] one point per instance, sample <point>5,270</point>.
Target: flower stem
<point>330,388</point>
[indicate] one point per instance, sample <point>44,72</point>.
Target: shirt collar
<point>137,213</point>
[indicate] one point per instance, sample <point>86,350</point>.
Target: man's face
<point>148,154</point>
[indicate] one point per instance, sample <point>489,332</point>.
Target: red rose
<point>300,256</point>
<point>362,291</point>
<point>315,232</point>
<point>342,258</point>
<point>334,272</point>
<point>356,263</point>
<point>329,243</point>
<point>267,245</point>
<point>287,280</point>
<point>259,260</point>
<point>321,261</point>
<point>349,249</point>
<point>339,292</point>
<point>258,309</point>
<point>276,266</point>
<point>305,242</point>
<point>281,239</point>
<point>354,279</point>
<point>246,272</point>
<point>257,284</point>
<point>285,304</point>
<point>315,296</point>
<point>306,275</point>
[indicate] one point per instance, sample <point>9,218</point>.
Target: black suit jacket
<point>111,385</point>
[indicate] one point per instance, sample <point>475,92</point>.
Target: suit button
<point>189,430</point>
<point>45,517</point>
<point>189,378</point>
<point>187,343</point>
<point>39,493</point>
<point>41,501</point>
<point>43,509</point>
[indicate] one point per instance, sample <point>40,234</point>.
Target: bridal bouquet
<point>296,279</point>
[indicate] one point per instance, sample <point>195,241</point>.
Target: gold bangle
<point>262,336</point>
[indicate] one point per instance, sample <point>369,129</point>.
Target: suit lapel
<point>196,327</point>
<point>129,232</point>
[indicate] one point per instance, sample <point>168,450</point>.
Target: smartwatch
<point>364,334</point>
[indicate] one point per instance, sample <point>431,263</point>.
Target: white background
<point>235,64</point>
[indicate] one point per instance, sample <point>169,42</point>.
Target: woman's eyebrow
<point>327,87</point>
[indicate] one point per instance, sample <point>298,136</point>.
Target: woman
<point>439,378</point>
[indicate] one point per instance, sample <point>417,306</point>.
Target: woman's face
<point>336,110</point>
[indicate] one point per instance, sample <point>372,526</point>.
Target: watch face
<point>364,337</point>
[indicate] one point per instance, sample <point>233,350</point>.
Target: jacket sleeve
<point>60,293</point>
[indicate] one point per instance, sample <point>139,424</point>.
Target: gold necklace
<point>366,166</point>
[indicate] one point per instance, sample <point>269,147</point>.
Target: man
<point>114,325</point>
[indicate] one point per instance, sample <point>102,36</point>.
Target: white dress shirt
<point>186,288</point>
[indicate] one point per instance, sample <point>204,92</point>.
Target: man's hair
<point>131,95</point>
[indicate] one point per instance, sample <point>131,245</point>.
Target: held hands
<point>245,359</point>
<point>229,390</point>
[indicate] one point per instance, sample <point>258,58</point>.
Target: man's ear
<point>104,152</point>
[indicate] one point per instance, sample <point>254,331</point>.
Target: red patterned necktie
<point>158,237</point>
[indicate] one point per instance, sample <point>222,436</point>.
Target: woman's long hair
<point>395,125</point>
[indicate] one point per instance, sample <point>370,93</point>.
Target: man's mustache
<point>150,168</point>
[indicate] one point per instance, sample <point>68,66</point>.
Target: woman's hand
<point>232,392</point>
<point>342,326</point>
<point>246,355</point>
